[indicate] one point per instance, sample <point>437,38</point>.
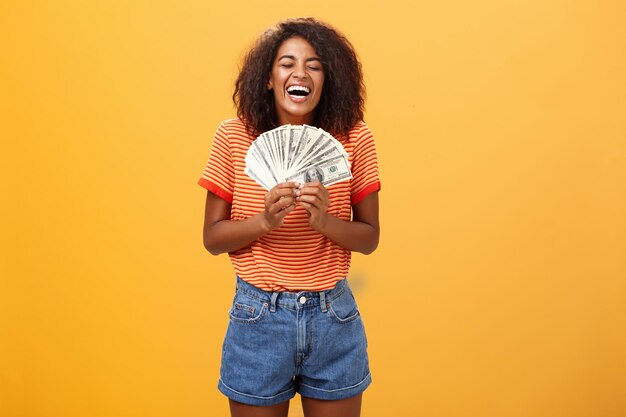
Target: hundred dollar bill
<point>275,146</point>
<point>336,142</point>
<point>314,140</point>
<point>328,152</point>
<point>327,172</point>
<point>296,153</point>
<point>248,171</point>
<point>266,142</point>
<point>321,146</point>
<point>303,140</point>
<point>258,160</point>
<point>295,133</point>
<point>283,136</point>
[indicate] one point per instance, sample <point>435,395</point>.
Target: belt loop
<point>273,302</point>
<point>323,301</point>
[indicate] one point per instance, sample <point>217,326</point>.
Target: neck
<point>306,119</point>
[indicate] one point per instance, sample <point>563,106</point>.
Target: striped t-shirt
<point>292,257</point>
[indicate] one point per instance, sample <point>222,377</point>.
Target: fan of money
<point>298,153</point>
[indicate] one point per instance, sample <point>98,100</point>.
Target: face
<point>313,175</point>
<point>296,79</point>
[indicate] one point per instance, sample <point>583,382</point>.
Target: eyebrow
<point>294,58</point>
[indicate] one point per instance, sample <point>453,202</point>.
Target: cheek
<point>276,95</point>
<point>320,84</point>
<point>274,78</point>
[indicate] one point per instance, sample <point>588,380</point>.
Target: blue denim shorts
<point>280,343</point>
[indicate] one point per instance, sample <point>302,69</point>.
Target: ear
<point>270,85</point>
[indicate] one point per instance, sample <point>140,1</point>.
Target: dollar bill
<point>327,172</point>
<point>300,153</point>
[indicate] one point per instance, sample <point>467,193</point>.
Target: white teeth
<point>299,88</point>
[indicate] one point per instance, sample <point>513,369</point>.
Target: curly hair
<point>342,101</point>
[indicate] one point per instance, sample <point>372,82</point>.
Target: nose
<point>299,71</point>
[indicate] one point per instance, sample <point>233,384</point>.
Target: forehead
<point>296,47</point>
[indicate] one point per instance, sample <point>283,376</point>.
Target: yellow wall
<point>498,289</point>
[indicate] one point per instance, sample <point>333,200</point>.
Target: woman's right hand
<point>279,201</point>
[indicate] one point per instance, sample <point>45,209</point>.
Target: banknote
<point>299,153</point>
<point>327,172</point>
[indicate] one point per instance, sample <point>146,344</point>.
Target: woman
<point>294,324</point>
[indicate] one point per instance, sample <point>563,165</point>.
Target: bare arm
<point>224,235</point>
<point>359,235</point>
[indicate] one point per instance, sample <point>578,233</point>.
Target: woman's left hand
<point>313,196</point>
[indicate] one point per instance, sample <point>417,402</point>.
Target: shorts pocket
<point>343,309</point>
<point>247,309</point>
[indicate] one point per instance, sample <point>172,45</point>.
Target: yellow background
<point>499,286</point>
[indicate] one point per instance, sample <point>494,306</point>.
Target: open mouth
<point>298,91</point>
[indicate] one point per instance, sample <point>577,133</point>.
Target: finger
<point>290,184</point>
<point>281,205</point>
<point>310,208</point>
<point>311,184</point>
<point>311,200</point>
<point>310,194</point>
<point>287,210</point>
<point>278,193</point>
<point>312,190</point>
<point>278,217</point>
<point>314,184</point>
<point>282,186</point>
<point>316,188</point>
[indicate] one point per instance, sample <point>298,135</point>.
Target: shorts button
<point>302,299</point>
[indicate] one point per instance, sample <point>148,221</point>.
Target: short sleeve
<point>365,178</point>
<point>219,174</point>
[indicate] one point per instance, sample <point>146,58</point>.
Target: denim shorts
<point>280,343</point>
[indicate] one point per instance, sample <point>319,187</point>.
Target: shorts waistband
<point>294,300</point>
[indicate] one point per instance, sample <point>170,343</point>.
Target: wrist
<point>322,224</point>
<point>264,224</point>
